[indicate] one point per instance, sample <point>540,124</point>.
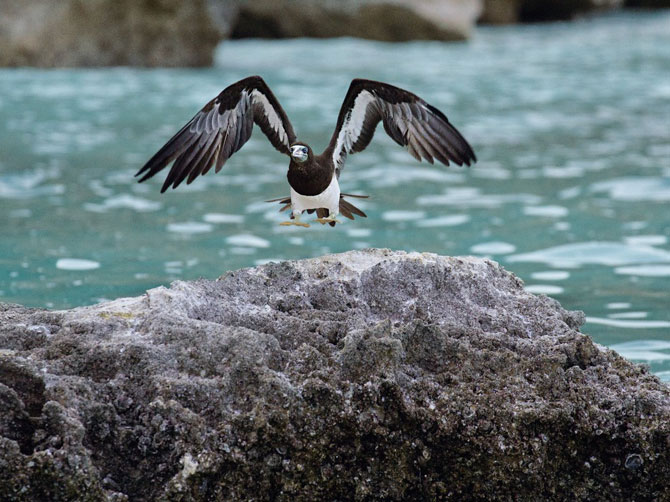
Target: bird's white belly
<point>329,198</point>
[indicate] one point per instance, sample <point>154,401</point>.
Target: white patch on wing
<point>197,122</point>
<point>273,118</point>
<point>351,127</point>
<point>209,122</point>
<point>212,124</point>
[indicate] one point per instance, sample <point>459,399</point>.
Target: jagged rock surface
<point>369,375</point>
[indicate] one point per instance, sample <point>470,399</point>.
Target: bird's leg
<point>296,220</point>
<point>332,217</point>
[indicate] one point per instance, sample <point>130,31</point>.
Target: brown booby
<point>225,124</point>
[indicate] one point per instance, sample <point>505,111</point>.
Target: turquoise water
<point>571,123</point>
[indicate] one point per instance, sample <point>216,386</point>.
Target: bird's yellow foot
<point>296,223</point>
<point>323,221</point>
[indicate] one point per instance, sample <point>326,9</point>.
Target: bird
<point>225,124</point>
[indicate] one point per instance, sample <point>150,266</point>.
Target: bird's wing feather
<point>411,122</point>
<point>220,129</point>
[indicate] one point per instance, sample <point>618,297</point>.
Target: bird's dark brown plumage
<point>219,130</point>
<point>224,124</point>
<point>411,122</point>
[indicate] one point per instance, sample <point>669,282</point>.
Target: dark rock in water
<point>559,10</point>
<point>369,375</point>
<point>648,4</point>
<point>529,11</point>
<point>500,12</point>
<point>111,32</point>
<point>391,21</point>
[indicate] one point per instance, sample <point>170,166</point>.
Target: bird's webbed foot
<point>295,217</point>
<point>328,216</point>
<point>323,221</point>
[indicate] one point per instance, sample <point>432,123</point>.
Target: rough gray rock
<point>369,375</point>
<point>111,32</point>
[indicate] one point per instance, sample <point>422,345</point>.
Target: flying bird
<point>225,124</point>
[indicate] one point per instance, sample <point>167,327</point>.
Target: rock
<point>648,4</point>
<point>368,375</point>
<point>558,10</point>
<point>111,32</point>
<point>500,12</point>
<point>387,20</point>
<point>529,11</point>
<point>173,33</point>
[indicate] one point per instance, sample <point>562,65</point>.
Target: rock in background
<point>174,33</point>
<point>110,32</point>
<point>528,11</point>
<point>648,4</point>
<point>387,20</point>
<point>369,375</point>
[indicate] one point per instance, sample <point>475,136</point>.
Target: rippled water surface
<point>571,123</point>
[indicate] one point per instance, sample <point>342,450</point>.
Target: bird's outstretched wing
<point>409,120</point>
<point>219,130</point>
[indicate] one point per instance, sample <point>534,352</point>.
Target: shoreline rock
<point>648,4</point>
<point>384,20</point>
<point>374,375</point>
<point>170,33</point>
<point>533,11</point>
<point>151,33</point>
<point>72,33</point>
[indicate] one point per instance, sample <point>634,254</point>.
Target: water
<point>571,123</point>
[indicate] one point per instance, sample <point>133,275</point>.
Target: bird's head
<point>299,152</point>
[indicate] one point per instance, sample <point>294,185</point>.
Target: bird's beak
<point>298,153</point>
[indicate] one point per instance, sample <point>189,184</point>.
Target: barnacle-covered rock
<point>367,375</point>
